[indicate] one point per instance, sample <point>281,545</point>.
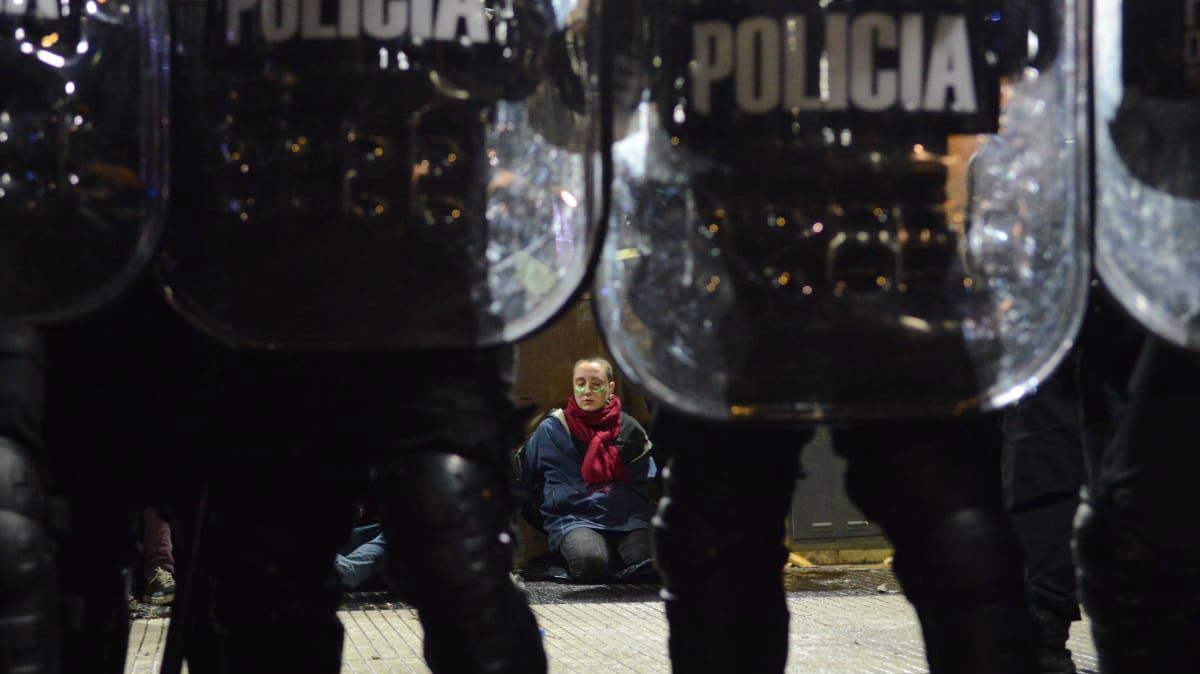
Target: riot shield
<point>82,157</point>
<point>820,212</point>
<point>1147,110</point>
<point>362,173</point>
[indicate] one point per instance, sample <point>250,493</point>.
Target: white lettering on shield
<point>42,9</point>
<point>767,59</point>
<point>282,20</point>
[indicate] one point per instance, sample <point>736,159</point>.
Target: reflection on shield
<point>82,96</point>
<point>1147,105</point>
<point>819,211</point>
<point>352,178</point>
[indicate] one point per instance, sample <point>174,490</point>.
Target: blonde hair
<point>608,368</point>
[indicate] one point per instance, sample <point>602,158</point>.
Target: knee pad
<point>694,536</point>
<point>21,340</point>
<point>26,550</point>
<point>976,558</point>
<point>1142,599</point>
<point>721,569</point>
<point>28,569</point>
<point>22,383</point>
<point>449,517</point>
<point>965,578</point>
<point>21,488</point>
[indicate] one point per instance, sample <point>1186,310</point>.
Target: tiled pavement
<point>842,623</point>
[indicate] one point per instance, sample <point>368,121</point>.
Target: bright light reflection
<point>50,58</point>
<point>916,324</point>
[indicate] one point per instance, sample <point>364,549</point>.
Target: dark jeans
<point>362,557</point>
<point>593,555</point>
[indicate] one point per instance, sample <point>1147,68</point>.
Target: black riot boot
<point>446,516</point>
<point>1054,630</point>
<point>719,537</point>
<point>29,597</point>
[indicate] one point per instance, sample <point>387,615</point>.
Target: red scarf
<point>598,430</point>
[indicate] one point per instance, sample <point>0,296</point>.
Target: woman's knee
<point>635,547</point>
<point>586,554</point>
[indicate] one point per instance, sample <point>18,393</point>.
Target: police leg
<point>94,469</point>
<point>934,488</point>
<point>272,532</point>
<point>446,515</point>
<point>719,543</point>
<point>444,490</point>
<point>97,552</point>
<point>28,564</point>
<point>1043,470</point>
<point>1139,571</point>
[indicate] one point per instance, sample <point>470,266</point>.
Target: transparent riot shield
<point>1147,98</point>
<point>362,173</point>
<point>82,157</point>
<point>819,210</point>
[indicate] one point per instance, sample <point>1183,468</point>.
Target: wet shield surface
<point>821,211</point>
<point>82,95</point>
<point>1147,62</point>
<point>378,173</point>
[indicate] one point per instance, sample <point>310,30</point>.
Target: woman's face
<point>592,386</point>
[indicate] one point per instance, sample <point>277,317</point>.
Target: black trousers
<point>1043,471</point>
<point>1138,558</point>
<point>933,486</point>
<point>128,392</point>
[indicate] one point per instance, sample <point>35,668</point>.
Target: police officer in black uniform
<point>821,270</point>
<point>262,453</point>
<point>1136,567</point>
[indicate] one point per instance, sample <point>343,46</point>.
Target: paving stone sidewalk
<point>842,623</point>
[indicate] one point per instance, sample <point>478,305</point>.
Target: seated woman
<point>595,461</point>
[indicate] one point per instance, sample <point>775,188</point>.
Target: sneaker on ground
<point>160,588</point>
